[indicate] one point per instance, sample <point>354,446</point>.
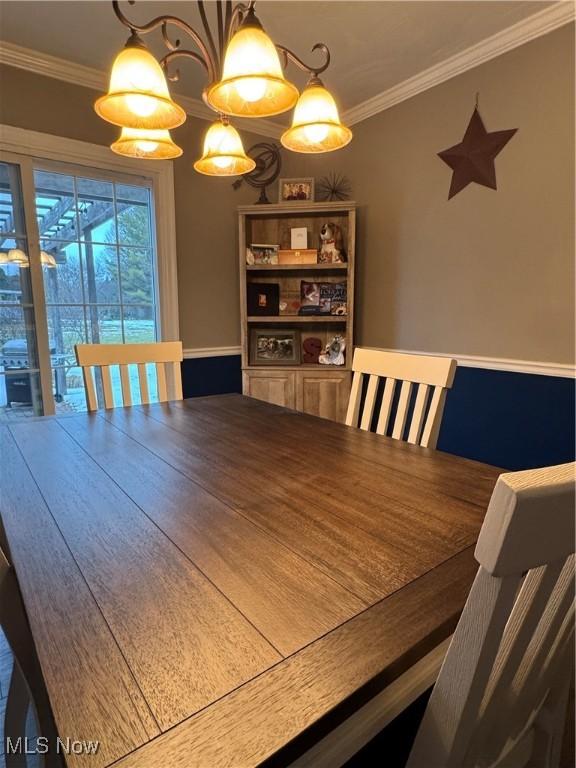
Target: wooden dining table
<point>223,582</point>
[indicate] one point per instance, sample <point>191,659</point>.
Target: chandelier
<point>245,78</point>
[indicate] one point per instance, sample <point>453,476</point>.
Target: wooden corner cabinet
<point>310,387</point>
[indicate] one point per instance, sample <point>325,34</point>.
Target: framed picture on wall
<point>274,346</point>
<point>296,190</point>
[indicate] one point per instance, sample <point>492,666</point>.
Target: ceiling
<point>374,45</point>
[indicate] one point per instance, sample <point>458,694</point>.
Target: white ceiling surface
<point>375,45</point>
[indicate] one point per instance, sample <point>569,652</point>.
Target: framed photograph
<point>263,298</point>
<point>262,253</point>
<point>274,346</point>
<point>296,191</point>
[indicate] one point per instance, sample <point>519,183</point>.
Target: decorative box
<point>298,256</point>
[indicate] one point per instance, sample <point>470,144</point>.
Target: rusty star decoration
<point>473,159</point>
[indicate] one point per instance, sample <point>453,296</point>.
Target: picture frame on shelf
<point>262,253</point>
<point>296,190</point>
<point>274,346</point>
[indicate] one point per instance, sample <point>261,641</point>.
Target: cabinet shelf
<point>300,367</point>
<point>297,319</point>
<point>296,267</point>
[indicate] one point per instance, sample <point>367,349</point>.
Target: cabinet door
<point>324,394</point>
<point>277,387</point>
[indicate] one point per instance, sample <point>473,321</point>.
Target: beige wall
<point>489,272</point>
<point>205,207</point>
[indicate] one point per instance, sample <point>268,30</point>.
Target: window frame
<point>65,155</point>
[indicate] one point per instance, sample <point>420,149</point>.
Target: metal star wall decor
<point>473,159</point>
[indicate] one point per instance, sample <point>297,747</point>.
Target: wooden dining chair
<point>166,356</point>
<point>501,695</point>
<point>26,690</point>
<point>432,376</point>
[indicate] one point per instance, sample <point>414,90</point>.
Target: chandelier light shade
<point>138,95</point>
<point>316,125</point>
<point>223,152</point>
<point>17,256</point>
<point>151,145</point>
<point>47,260</point>
<point>252,84</point>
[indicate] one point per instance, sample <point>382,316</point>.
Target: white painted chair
<point>26,685</point>
<point>500,698</point>
<point>166,356</point>
<point>432,376</point>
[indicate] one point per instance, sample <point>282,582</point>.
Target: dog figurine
<point>331,245</point>
<point>334,352</point>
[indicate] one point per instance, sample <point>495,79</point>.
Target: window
<point>90,272</point>
<point>100,290</point>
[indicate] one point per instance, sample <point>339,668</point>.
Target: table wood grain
<point>218,582</point>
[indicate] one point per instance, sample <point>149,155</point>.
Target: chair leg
<point>15,715</point>
<point>15,625</point>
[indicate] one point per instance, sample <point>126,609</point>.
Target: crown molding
<point>88,77</point>
<point>557,15</point>
<point>524,31</point>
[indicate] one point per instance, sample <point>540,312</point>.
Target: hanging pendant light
<point>47,260</point>
<point>17,256</point>
<point>316,125</point>
<point>253,84</point>
<point>151,145</point>
<point>138,96</point>
<point>223,152</point>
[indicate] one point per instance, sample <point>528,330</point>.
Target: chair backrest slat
<point>417,422</point>
<point>386,406</point>
<point>426,371</point>
<point>353,411</point>
<point>107,386</point>
<point>505,677</point>
<point>161,382</point>
<point>177,380</point>
<point>101,357</point>
<point>434,419</point>
<point>91,399</point>
<point>143,382</point>
<point>369,403</point>
<point>125,383</point>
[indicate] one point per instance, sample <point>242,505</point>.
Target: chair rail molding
<point>524,31</point>
<point>58,149</point>
<point>77,74</point>
<point>541,368</point>
<point>195,352</point>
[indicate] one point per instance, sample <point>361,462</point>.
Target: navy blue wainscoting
<point>512,420</point>
<point>211,375</point>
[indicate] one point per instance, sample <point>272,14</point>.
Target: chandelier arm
<point>208,32</point>
<point>172,46</point>
<point>220,17</point>
<point>227,20</point>
<point>314,71</point>
<point>163,21</point>
<point>176,53</point>
<point>238,13</point>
